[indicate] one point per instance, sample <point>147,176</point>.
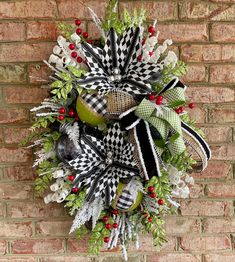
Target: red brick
<point>24,95</point>
<point>209,95</point>
<point>38,246</point>
<point>218,134</point>
<point>207,53</point>
<point>198,113</point>
<point>15,229</point>
<point>66,259</point>
<point>221,32</point>
<point>20,155</point>
<point>214,170</point>
<point>94,33</point>
<point>173,257</point>
<point>222,74</point>
<point>196,191</point>
<point>219,257</point>
<point>184,32</point>
<point>182,225</point>
<point>78,9</point>
<point>226,152</point>
<point>25,52</point>
<point>200,10</point>
<point>222,115</point>
<point>19,173</point>
<point>219,225</point>
<point>205,243</point>
<point>27,9</point>
<point>15,191</point>
<point>12,74</point>
<point>53,228</point>
<point>39,73</point>
<point>12,116</point>
<point>35,210</point>
<point>15,135</point>
<point>3,247</point>
<point>147,245</point>
<point>161,11</point>
<point>78,246</point>
<point>12,31</point>
<point>206,208</point>
<point>42,30</point>
<point>195,73</point>
<point>221,190</point>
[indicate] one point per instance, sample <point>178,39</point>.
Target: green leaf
<point>57,84</point>
<point>65,76</point>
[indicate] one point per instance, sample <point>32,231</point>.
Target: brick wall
<point>204,36</point>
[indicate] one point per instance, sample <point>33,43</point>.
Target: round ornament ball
<point>121,195</point>
<point>88,114</point>
<point>65,149</point>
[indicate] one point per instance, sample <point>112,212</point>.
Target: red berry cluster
<point>179,110</point>
<point>108,225</point>
<point>85,35</point>
<point>71,113</point>
<point>158,99</point>
<point>152,194</point>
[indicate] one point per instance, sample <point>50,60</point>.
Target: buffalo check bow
<point>103,163</point>
<point>116,66</point>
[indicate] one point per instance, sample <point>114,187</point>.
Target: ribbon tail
<point>149,159</point>
<point>198,144</point>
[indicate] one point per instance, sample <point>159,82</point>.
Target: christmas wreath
<point>115,142</point>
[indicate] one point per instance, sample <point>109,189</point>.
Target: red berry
<point>115,225</point>
<point>115,212</point>
<point>191,105</point>
<point>105,218</point>
<point>60,117</point>
<point>71,113</point>
<point>178,111</point>
<point>72,46</point>
<point>151,53</point>
<point>74,54</point>
<point>151,189</point>
<point>79,59</point>
<point>108,226</point>
<point>62,110</point>
<point>77,22</point>
<point>151,29</point>
<point>159,100</point>
<point>76,118</point>
<point>139,58</point>
<point>75,190</point>
<point>150,219</point>
<point>106,239</point>
<point>85,35</point>
<point>151,97</point>
<point>153,195</point>
<point>90,42</point>
<point>145,214</point>
<point>160,202</point>
<point>79,31</point>
<point>71,178</point>
<point>181,108</point>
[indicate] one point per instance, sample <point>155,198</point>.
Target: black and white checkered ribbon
<point>103,163</point>
<point>116,66</point>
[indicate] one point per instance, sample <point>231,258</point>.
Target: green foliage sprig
<point>75,201</point>
<point>168,73</point>
<point>66,30</point>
